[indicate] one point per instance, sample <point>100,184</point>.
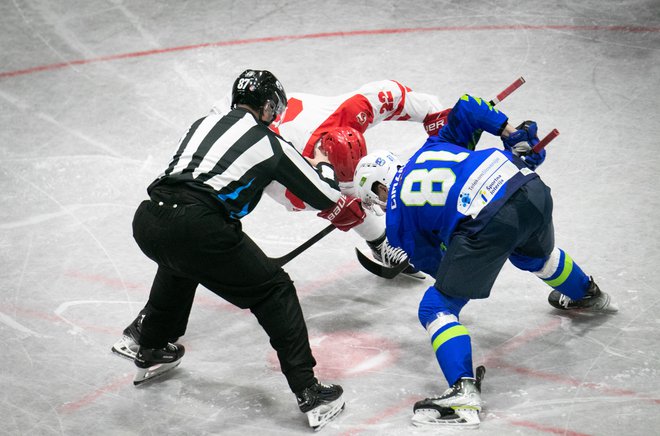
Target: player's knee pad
<point>435,304</point>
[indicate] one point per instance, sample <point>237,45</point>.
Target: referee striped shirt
<point>233,157</point>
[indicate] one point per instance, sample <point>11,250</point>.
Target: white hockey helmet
<point>378,166</point>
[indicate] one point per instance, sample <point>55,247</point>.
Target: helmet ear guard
<point>378,167</point>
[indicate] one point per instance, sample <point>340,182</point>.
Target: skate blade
<point>322,415</point>
<point>609,306</point>
<point>612,308</point>
<point>122,348</point>
<point>605,307</point>
<point>146,374</point>
<point>609,309</point>
<point>418,275</point>
<point>467,418</point>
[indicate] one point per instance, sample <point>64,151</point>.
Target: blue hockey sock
<point>452,347</point>
<point>438,313</point>
<point>564,275</point>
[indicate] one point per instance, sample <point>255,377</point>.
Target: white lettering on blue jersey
<point>484,182</point>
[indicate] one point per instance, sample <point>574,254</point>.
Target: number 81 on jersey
<point>430,185</point>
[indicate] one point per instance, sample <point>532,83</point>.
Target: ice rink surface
<point>94,96</point>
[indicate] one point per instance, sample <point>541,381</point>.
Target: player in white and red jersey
<point>307,117</point>
<point>316,124</point>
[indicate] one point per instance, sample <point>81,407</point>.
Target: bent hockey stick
<point>387,272</point>
<point>281,261</point>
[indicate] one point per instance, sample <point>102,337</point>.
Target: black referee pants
<point>193,243</point>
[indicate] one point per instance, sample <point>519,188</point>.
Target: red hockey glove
<point>345,214</point>
<point>436,121</point>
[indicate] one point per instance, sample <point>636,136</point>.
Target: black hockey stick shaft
<point>281,261</point>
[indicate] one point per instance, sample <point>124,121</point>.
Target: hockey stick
<point>281,261</point>
<point>391,272</point>
<point>388,272</point>
<point>479,373</point>
<point>508,91</point>
<point>545,141</point>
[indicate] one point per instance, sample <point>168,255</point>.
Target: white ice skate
<point>594,301</point>
<point>454,417</point>
<point>391,256</point>
<point>458,406</point>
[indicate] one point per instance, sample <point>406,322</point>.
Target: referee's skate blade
<point>146,374</point>
<point>322,415</point>
<point>126,347</point>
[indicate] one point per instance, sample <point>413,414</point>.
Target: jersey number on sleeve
<point>387,100</point>
<point>430,185</point>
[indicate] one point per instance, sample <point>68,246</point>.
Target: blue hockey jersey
<point>445,185</point>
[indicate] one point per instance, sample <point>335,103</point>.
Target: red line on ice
<point>546,429</point>
<point>91,397</point>
<point>269,39</point>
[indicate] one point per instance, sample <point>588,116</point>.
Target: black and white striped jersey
<point>234,157</point>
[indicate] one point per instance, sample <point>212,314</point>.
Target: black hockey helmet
<point>259,89</point>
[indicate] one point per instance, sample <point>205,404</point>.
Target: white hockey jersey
<point>307,117</point>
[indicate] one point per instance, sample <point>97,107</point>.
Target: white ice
<point>93,98</point>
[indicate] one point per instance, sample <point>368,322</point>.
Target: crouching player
<point>459,215</point>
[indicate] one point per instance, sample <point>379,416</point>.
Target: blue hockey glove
<point>521,143</point>
<point>523,139</point>
<point>533,160</point>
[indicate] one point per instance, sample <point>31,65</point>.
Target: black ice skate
<point>321,403</point>
<point>154,362</point>
<point>390,256</point>
<point>594,300</point>
<point>127,347</point>
<point>458,406</point>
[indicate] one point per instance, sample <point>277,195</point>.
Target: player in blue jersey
<point>459,214</point>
